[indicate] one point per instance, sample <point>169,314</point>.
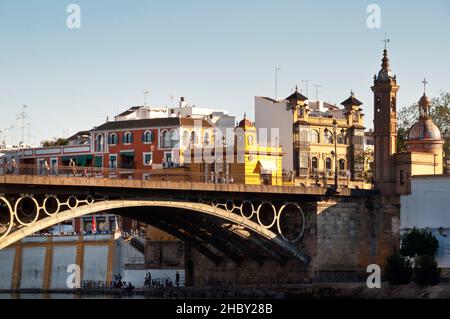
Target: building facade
<point>318,138</point>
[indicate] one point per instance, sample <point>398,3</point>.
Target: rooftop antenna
<point>307,86</point>
<point>172,97</point>
<point>317,86</point>
<point>22,116</point>
<point>29,133</point>
<point>276,82</point>
<point>386,41</point>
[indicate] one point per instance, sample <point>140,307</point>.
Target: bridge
<point>225,223</point>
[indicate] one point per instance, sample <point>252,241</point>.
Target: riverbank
<point>311,291</point>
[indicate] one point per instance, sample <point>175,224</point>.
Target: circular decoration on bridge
<point>72,202</point>
<point>6,217</point>
<point>51,205</point>
<point>215,203</point>
<point>90,200</point>
<point>26,210</point>
<point>247,209</point>
<point>291,222</point>
<point>229,206</point>
<point>267,215</point>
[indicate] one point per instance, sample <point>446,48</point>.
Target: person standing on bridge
<point>73,166</point>
<point>13,166</point>
<point>177,279</point>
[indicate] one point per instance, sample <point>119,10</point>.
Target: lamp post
<point>336,186</point>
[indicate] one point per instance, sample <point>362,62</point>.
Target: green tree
<point>398,269</point>
<point>55,142</point>
<point>418,242</point>
<point>426,271</point>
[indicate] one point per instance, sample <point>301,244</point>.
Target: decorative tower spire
<point>385,73</point>
<point>424,102</point>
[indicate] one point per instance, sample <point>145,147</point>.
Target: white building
<point>428,207</point>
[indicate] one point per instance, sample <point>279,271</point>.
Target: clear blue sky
<point>216,53</point>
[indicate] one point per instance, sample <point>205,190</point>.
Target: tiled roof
<point>156,122</point>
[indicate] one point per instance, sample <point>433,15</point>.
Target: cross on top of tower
<point>424,84</point>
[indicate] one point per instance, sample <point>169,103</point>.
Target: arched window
<point>128,138</point>
<point>206,140</point>
<point>112,139</point>
<point>328,163</point>
<point>174,138</point>
<point>328,137</point>
<point>341,138</point>
<point>99,143</point>
<point>341,164</point>
<point>314,136</point>
<point>165,139</point>
<point>185,138</point>
<point>314,164</point>
<point>148,137</point>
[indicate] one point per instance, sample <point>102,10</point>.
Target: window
<point>165,139</point>
<point>185,138</point>
<point>314,163</point>
<point>314,136</point>
<point>174,138</point>
<point>112,139</point>
<point>112,161</point>
<point>128,138</point>
<point>206,138</point>
<point>341,138</point>
<point>328,163</point>
<point>148,159</point>
<point>341,164</point>
<point>328,137</point>
<point>99,143</point>
<point>402,177</point>
<point>147,137</point>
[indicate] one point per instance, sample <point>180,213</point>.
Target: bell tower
<point>385,126</point>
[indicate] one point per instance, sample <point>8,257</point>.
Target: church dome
<point>424,129</point>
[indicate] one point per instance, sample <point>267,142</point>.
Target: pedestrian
<point>13,165</point>
<point>177,279</point>
<point>73,167</point>
<point>47,168</point>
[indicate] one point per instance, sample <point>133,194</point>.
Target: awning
<point>98,161</point>
<point>266,166</point>
<point>127,153</point>
<point>82,159</point>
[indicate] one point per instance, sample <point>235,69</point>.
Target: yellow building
<point>424,155</point>
<point>253,163</point>
<point>328,140</point>
<point>307,131</point>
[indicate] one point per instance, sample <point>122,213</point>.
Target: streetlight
<point>336,186</point>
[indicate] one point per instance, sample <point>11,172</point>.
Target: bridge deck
<point>179,186</point>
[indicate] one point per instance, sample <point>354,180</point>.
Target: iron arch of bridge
<point>78,208</point>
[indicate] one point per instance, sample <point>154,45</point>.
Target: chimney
<point>182,102</point>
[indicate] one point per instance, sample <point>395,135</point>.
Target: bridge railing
<point>171,174</point>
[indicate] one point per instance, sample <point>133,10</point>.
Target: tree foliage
<point>426,271</point>
<point>55,142</point>
<point>398,269</point>
<point>418,242</point>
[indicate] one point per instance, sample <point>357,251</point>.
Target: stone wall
<point>341,236</point>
